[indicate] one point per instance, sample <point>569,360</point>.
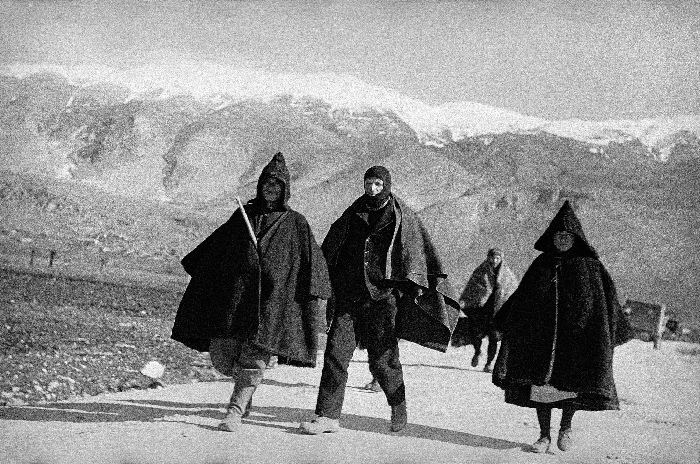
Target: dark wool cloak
<point>266,295</point>
<point>561,325</point>
<point>411,261</point>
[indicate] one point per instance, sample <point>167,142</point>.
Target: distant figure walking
<point>559,331</point>
<point>256,282</point>
<point>489,286</point>
<point>387,284</point>
<point>372,385</point>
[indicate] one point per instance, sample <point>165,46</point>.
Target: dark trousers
<point>373,322</point>
<point>492,347</point>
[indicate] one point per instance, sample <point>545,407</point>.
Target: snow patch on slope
<point>435,125</point>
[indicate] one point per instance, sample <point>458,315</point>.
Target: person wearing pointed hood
<point>254,292</point>
<point>387,283</point>
<point>560,328</point>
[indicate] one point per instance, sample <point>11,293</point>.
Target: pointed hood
<point>566,221</point>
<point>277,169</point>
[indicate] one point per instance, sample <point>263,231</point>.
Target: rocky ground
<point>62,337</point>
<point>71,390</point>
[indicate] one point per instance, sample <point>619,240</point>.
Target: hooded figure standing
<point>489,286</point>
<point>560,328</point>
<point>251,299</point>
<point>387,284</point>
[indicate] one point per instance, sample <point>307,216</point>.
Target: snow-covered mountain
<point>192,135</point>
<point>217,86</point>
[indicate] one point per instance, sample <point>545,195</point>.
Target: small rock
<point>67,379</point>
<point>15,402</point>
<point>53,385</point>
<point>153,369</point>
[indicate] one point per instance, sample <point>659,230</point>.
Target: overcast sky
<point>586,59</point>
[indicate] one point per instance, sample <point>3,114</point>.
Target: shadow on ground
<point>265,416</point>
<point>433,366</point>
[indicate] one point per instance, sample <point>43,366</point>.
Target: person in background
<point>560,328</point>
<point>387,283</point>
<point>373,385</point>
<point>254,293</point>
<point>489,286</point>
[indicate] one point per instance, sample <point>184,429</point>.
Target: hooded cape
<point>411,261</point>
<point>265,294</point>
<point>561,325</point>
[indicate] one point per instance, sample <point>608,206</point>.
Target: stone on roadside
<point>153,370</point>
<point>15,402</point>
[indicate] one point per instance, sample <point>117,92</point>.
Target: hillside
<point>117,181</point>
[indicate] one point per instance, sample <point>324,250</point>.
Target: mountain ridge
<point>189,157</point>
<point>217,87</point>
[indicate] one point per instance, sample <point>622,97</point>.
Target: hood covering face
<point>276,169</point>
<point>378,172</point>
<point>566,221</point>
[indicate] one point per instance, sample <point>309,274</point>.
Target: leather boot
<point>541,445</point>
<point>238,407</point>
<point>565,440</point>
<point>230,422</point>
<point>241,401</point>
<point>399,417</point>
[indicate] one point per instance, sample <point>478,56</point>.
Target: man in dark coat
<point>254,291</point>
<point>559,331</point>
<point>387,284</point>
<point>489,286</point>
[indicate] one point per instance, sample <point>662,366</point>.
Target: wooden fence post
<point>660,326</point>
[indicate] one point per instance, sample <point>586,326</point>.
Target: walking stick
<point>247,223</point>
<point>255,242</point>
